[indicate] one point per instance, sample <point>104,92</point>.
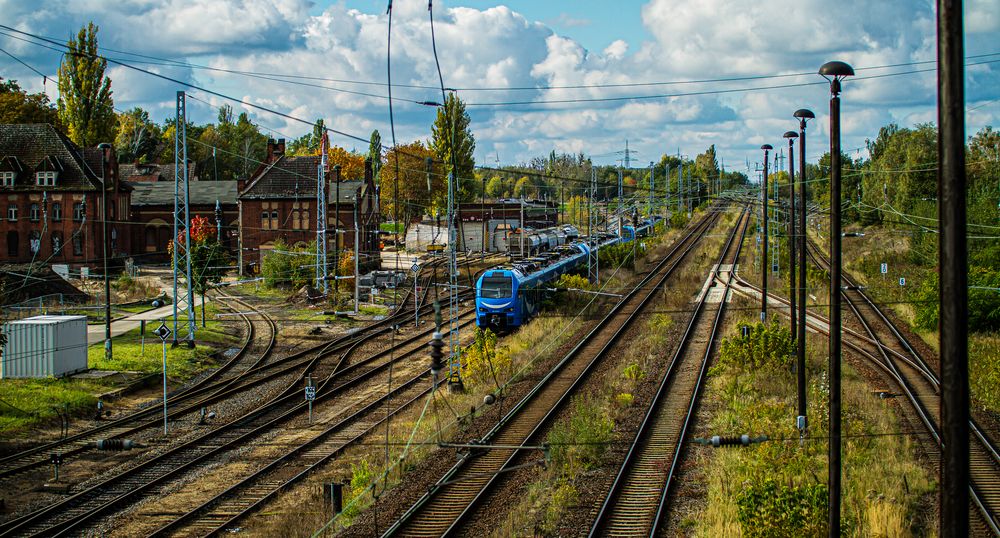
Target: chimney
<point>275,149</point>
<point>368,170</point>
<point>108,162</point>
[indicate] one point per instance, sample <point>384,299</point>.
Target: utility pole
<point>321,221</point>
<point>455,364</point>
<point>953,261</point>
<point>357,258</point>
<point>666,191</point>
<point>593,267</point>
<point>680,195</point>
<point>336,229</point>
<point>218,222</point>
<point>651,184</point>
<point>621,200</point>
<point>837,70</point>
<point>765,271</point>
<point>802,421</point>
<point>182,217</point>
<point>105,150</point>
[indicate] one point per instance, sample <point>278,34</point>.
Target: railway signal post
<point>835,72</point>
<point>164,333</point>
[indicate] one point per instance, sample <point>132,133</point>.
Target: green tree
<point>137,137</point>
<point>375,152</point>
<point>85,105</point>
<point>19,106</point>
<point>495,187</point>
<point>450,134</point>
<point>308,144</point>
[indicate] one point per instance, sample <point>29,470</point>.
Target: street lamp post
<point>802,421</point>
<point>835,72</point>
<point>764,263</point>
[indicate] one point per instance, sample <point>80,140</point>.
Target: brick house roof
<point>147,193</point>
<point>135,172</point>
<point>27,148</point>
<point>291,177</point>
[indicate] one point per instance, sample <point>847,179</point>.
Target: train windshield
<point>497,287</point>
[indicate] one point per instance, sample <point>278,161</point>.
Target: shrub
<point>633,372</point>
<point>289,266</point>
<point>984,301</point>
<point>362,475</point>
<point>624,399</point>
<point>767,345</point>
<point>766,509</point>
<point>484,362</point>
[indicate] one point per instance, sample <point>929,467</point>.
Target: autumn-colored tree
<point>137,137</point>
<point>352,165</point>
<point>208,258</point>
<point>85,105</point>
<point>19,106</point>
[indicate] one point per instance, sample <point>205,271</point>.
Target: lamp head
<point>804,114</point>
<point>790,135</point>
<point>838,71</point>
<point>766,147</point>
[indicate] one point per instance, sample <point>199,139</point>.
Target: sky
<point>668,76</point>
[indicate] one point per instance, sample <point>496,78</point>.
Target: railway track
<point>147,478</point>
<point>227,381</point>
<point>443,508</point>
<point>921,386</point>
<point>250,493</point>
<point>98,500</point>
<point>637,500</point>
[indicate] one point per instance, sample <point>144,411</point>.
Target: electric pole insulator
<point>437,345</point>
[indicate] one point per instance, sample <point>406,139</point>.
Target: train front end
<point>497,307</point>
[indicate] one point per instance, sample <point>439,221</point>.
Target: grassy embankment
<point>35,402</point>
<point>778,487</point>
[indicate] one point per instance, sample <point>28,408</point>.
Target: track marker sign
<point>884,268</point>
<point>310,393</point>
<point>902,281</point>
<point>163,332</point>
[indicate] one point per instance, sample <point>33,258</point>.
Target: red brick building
<point>51,196</point>
<point>278,201</point>
<point>153,209</point>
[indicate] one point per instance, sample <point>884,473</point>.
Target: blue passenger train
<point>507,295</point>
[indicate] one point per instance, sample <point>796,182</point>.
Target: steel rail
<point>654,504</point>
<point>450,524</point>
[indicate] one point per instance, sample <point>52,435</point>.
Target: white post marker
<point>902,281</point>
<point>310,396</point>
<point>884,268</point>
<point>164,333</point>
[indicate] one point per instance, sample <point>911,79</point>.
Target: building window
<point>265,223</point>
<point>305,220</point>
<point>34,213</point>
<point>12,246</point>
<point>274,220</point>
<point>35,241</point>
<point>7,179</point>
<point>57,242</point>
<point>12,212</point>
<point>77,245</point>
<point>45,179</point>
<point>57,212</point>
<point>79,211</point>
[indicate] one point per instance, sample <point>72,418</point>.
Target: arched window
<point>79,211</point>
<point>265,222</point>
<point>77,245</point>
<point>274,220</point>
<point>34,213</point>
<point>35,241</point>
<point>57,212</point>
<point>150,239</point>
<point>57,242</point>
<point>12,244</point>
